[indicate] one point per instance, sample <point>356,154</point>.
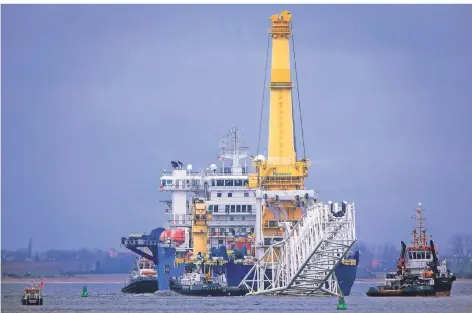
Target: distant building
<point>30,249</point>
<point>112,253</point>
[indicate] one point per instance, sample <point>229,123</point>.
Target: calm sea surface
<point>106,297</point>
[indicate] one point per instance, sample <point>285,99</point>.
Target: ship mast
<point>232,148</point>
<point>419,233</point>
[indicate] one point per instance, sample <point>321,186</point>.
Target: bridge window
<point>227,208</point>
<point>230,194</point>
<point>220,182</point>
<point>249,208</point>
<point>238,182</point>
<point>169,182</point>
<point>229,182</point>
<point>220,241</point>
<point>246,195</point>
<point>243,208</point>
<point>246,182</point>
<point>213,182</point>
<point>238,208</point>
<point>210,208</point>
<point>233,208</point>
<point>428,255</point>
<point>215,208</point>
<point>218,194</point>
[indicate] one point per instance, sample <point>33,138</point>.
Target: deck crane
<point>298,240</point>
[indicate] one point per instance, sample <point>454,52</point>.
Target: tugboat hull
<point>142,286</point>
<point>213,292</point>
<point>442,288</point>
<point>410,291</point>
<point>32,301</point>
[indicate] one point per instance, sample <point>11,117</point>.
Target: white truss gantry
<point>303,263</point>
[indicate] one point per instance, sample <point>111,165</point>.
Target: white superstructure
<point>224,189</point>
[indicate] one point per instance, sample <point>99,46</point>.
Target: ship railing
<point>216,188</point>
<point>168,174</point>
<point>176,221</point>
<point>237,223</point>
<point>181,187</point>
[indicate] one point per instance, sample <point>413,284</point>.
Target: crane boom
<point>281,170</point>
<point>281,143</point>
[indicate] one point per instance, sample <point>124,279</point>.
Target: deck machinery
<point>299,241</point>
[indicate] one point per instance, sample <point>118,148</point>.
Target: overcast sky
<point>97,100</point>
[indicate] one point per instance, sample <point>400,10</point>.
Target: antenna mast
<point>232,148</point>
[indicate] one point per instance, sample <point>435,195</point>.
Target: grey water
<point>107,297</point>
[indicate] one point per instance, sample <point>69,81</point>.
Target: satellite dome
<point>213,167</point>
<point>189,167</point>
<point>260,157</point>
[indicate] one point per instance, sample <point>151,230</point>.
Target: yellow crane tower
<point>281,172</point>
<point>200,218</point>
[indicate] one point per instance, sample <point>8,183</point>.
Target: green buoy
<point>341,304</point>
<point>84,291</point>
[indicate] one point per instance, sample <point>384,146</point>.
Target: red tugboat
<point>32,294</point>
<point>418,270</point>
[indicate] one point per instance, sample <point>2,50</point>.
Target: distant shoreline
<point>379,280</point>
<point>97,278</point>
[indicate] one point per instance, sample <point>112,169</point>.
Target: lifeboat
<point>241,242</point>
<point>165,235</point>
<point>178,236</point>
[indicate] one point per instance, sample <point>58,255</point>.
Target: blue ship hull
<point>235,272</point>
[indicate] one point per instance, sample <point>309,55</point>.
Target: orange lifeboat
<point>165,235</point>
<point>178,236</point>
<point>241,242</point>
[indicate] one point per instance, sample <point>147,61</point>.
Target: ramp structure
<point>303,263</point>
